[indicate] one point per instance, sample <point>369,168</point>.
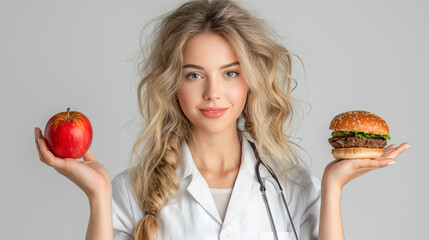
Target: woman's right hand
<point>89,175</point>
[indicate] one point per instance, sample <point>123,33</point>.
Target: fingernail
<point>391,163</point>
<point>407,146</point>
<point>38,140</point>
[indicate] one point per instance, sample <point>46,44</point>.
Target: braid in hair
<point>162,183</point>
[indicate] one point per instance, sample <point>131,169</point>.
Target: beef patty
<point>350,142</point>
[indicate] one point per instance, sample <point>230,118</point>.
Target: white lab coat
<point>195,216</point>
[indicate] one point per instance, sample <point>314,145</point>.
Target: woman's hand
<point>89,175</point>
<point>339,172</point>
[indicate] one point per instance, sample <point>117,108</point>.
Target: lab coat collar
<point>245,187</point>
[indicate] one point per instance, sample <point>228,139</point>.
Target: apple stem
<point>68,114</point>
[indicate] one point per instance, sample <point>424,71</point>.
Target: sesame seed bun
<point>361,121</point>
<point>353,153</point>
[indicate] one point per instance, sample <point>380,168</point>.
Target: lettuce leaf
<point>361,134</point>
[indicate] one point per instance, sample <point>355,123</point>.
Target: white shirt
<point>221,198</point>
<point>195,216</point>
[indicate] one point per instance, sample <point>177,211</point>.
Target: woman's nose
<point>213,89</point>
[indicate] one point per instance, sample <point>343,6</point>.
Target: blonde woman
<point>213,82</point>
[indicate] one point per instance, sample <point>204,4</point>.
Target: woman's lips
<point>213,112</point>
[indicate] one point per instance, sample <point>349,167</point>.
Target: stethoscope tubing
<point>264,196</point>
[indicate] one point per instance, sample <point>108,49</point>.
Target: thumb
<point>88,156</point>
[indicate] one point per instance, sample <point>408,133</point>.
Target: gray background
<point>369,55</point>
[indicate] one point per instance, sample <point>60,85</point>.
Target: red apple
<point>68,134</point>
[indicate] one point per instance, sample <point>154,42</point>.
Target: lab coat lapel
<point>198,187</point>
<point>246,185</point>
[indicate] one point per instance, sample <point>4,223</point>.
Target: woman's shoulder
<point>302,179</point>
<point>121,176</point>
<point>123,195</point>
<point>125,209</point>
<point>121,182</point>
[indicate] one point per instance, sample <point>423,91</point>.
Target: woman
<point>215,81</point>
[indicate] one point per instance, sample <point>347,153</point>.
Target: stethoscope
<point>264,196</point>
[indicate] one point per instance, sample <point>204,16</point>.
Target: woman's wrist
<point>330,187</point>
<point>101,197</point>
<point>331,193</point>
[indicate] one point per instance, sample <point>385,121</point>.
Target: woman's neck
<point>216,153</point>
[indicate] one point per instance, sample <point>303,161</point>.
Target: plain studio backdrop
<point>369,55</point>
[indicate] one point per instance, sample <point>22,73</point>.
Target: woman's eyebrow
<point>201,68</point>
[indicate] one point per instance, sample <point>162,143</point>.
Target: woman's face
<point>211,78</point>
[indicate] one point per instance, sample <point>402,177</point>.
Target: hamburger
<point>358,134</point>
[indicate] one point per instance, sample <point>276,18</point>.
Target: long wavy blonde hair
<point>266,66</point>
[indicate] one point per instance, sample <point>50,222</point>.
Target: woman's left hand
<point>339,172</point>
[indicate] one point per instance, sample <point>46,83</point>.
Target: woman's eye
<point>234,72</point>
<point>192,74</point>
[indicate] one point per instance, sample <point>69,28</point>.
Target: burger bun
<point>360,121</point>
<point>354,153</point>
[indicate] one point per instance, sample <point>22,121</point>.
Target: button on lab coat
<point>194,215</point>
